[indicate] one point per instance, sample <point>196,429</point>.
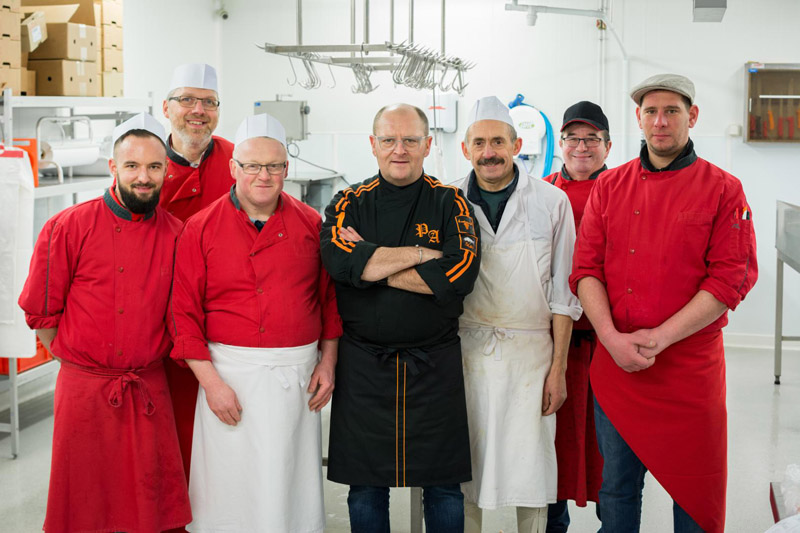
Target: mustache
<point>491,161</point>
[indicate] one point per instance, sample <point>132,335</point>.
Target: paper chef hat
<point>261,125</point>
<point>197,75</point>
<point>142,121</point>
<point>489,108</point>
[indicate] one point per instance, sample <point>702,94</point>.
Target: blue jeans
<point>443,507</point>
<point>623,481</point>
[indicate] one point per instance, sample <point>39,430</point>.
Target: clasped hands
<point>637,350</point>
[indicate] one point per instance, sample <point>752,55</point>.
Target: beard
<point>136,204</point>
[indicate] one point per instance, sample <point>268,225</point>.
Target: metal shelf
<point>49,187</point>
<point>118,104</point>
<point>26,376</point>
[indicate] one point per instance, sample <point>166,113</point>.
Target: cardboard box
<point>23,60</point>
<point>11,5</point>
<point>71,31</point>
<point>9,24</point>
<point>33,31</point>
<point>108,12</point>
<point>113,84</point>
<point>60,77</point>
<point>10,77</point>
<point>10,53</point>
<point>111,60</point>
<point>111,36</point>
<point>28,82</point>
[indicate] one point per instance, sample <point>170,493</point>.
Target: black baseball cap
<point>586,112</point>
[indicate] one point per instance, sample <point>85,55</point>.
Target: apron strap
<point>116,396</point>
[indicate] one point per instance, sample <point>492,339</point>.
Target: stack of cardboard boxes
<point>108,14</point>
<point>10,46</point>
<point>61,47</point>
<point>65,62</point>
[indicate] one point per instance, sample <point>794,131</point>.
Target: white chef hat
<point>489,108</point>
<point>197,75</point>
<point>261,125</point>
<point>142,121</point>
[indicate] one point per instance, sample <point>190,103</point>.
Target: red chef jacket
<point>238,286</point>
<point>186,191</point>
<point>103,280</point>
<point>580,465</point>
<point>189,189</point>
<point>655,239</point>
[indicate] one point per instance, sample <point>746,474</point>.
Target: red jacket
<point>238,286</point>
<point>103,281</point>
<point>187,189</point>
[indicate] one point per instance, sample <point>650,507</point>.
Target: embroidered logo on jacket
<point>465,225</point>
<point>432,234</point>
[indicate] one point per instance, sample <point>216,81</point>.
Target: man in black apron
<point>404,251</point>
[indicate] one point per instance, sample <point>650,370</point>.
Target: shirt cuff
<point>189,348</point>
<point>432,274</point>
<point>332,329</point>
<point>722,292</point>
<point>43,322</point>
<point>361,254</point>
<point>573,312</point>
<point>579,274</point>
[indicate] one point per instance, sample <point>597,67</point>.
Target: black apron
<point>398,416</point>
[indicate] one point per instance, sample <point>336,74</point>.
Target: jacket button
<point>261,330</point>
<point>119,352</point>
<point>633,251</point>
<point>194,190</point>
<point>121,269</point>
<point>118,229</point>
<point>259,290</point>
<point>630,291</point>
<point>636,212</point>
<point>280,234</point>
<point>120,311</point>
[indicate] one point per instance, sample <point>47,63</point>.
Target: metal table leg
<point>14,410</point>
<point>416,510</point>
<point>778,320</point>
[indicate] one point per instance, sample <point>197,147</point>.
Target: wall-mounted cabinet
<point>772,112</point>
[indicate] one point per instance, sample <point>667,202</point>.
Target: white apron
<point>265,473</point>
<point>508,351</point>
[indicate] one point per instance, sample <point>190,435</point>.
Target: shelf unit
<point>96,108</point>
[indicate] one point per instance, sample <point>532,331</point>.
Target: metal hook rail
<point>411,65</point>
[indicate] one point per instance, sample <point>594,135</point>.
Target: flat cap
<point>664,82</point>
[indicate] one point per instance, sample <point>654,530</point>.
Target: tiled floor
<point>764,436</point>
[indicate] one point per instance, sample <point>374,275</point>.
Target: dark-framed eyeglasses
<point>589,142</point>
<point>254,168</point>
<point>409,143</point>
<point>190,101</point>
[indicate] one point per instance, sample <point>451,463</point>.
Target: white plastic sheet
<point>16,248</point>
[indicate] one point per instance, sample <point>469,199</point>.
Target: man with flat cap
<point>403,250</point>
<point>514,369</point>
<point>585,143</point>
<point>251,310</point>
<point>197,175</point>
<point>665,248</point>
<point>97,296</point>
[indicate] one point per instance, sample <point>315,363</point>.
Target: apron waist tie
<point>279,372</point>
<point>498,334</point>
<point>124,377</point>
<point>409,356</point>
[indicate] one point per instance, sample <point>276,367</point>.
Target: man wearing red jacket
<point>585,143</point>
<point>97,296</point>
<point>665,248</point>
<point>197,175</point>
<point>251,308</point>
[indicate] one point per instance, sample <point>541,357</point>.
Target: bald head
<point>401,107</point>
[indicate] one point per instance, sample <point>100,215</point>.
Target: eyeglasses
<point>589,142</point>
<point>190,101</point>
<point>409,143</point>
<point>254,168</point>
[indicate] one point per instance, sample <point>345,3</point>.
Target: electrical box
<point>772,110</point>
<point>292,114</point>
<point>443,115</point>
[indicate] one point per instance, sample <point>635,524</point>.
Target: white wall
<point>554,64</point>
